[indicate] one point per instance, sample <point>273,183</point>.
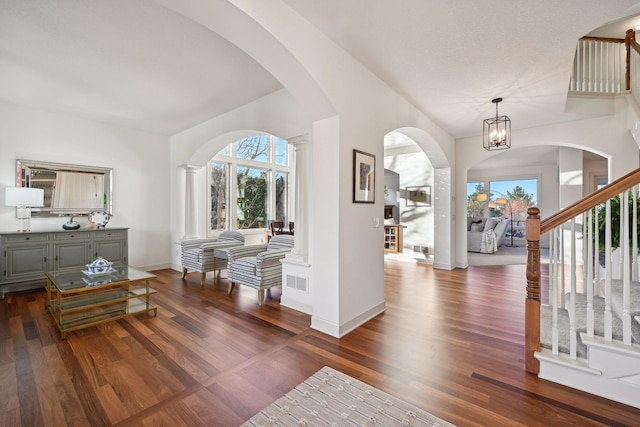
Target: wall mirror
<point>68,189</point>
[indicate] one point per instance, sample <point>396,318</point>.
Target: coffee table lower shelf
<point>74,306</point>
<point>71,320</point>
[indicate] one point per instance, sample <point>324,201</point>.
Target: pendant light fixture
<point>497,131</point>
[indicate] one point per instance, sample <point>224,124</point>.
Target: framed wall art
<point>419,195</point>
<point>364,177</point>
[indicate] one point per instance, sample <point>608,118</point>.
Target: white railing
<point>596,295</point>
<point>599,66</point>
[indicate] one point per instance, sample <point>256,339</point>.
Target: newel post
<point>532,305</point>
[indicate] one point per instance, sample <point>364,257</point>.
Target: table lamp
<point>24,198</point>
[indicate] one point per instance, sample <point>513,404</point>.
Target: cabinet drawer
<point>71,236</point>
<point>26,238</point>
<point>110,234</point>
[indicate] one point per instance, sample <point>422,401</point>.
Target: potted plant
<point>615,224</point>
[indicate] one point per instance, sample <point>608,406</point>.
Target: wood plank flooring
<point>450,342</point>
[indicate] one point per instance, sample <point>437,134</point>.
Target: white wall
<point>140,161</point>
<point>414,169</point>
<point>571,176</point>
<point>350,108</point>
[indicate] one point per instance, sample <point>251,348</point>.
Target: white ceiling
<point>129,62</point>
<point>135,63</point>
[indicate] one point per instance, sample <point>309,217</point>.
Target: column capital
<point>299,141</point>
<point>190,168</point>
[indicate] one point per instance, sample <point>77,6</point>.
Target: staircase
<point>583,318</point>
<point>583,321</point>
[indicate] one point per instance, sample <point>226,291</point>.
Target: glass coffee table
<point>78,300</point>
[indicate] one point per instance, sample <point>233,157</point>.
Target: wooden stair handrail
<point>630,40</point>
<point>590,201</point>
<point>604,39</point>
<point>535,228</point>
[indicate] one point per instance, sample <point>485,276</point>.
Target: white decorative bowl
<point>99,265</point>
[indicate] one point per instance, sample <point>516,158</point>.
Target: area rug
<point>505,256</point>
<point>331,398</point>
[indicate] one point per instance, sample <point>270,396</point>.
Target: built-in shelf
<point>393,238</point>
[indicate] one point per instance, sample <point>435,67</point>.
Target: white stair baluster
<point>573,339</point>
<point>588,284</point>
<point>626,281</point>
<point>553,291</point>
<point>634,241</point>
<point>608,320</point>
<point>563,281</point>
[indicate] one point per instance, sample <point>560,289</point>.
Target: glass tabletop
<point>73,281</point>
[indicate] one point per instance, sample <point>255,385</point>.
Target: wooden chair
<point>277,227</point>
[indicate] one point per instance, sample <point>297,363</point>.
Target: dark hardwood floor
<point>450,342</point>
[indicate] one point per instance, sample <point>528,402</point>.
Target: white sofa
<point>487,229</point>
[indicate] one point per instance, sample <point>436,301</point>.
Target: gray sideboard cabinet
<point>27,256</point>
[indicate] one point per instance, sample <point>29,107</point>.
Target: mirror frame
<point>21,164</point>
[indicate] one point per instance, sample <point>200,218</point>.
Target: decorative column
<point>190,203</point>
<point>300,252</point>
<point>296,270</point>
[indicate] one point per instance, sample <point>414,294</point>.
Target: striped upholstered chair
<point>202,256</point>
<point>258,266</point>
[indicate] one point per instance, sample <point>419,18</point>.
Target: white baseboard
<point>295,305</point>
<point>155,267</point>
<point>338,331</point>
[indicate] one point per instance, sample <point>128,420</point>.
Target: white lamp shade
<point>24,196</point>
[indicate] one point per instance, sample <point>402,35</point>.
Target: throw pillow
<point>490,224</point>
<point>471,221</point>
<point>477,226</point>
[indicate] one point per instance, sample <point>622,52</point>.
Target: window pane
<point>475,207</point>
<point>224,151</point>
<point>253,148</point>
<point>219,192</point>
<point>281,195</point>
<point>281,152</point>
<point>519,193</point>
<point>252,197</point>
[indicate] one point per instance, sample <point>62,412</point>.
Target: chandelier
<point>497,131</point>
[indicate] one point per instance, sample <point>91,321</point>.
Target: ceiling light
<point>497,131</point>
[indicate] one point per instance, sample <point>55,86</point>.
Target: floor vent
<point>299,283</point>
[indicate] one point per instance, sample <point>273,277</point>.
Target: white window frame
<point>271,166</point>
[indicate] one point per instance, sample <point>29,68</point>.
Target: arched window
<point>249,183</point>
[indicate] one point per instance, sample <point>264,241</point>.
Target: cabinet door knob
<point>27,238</point>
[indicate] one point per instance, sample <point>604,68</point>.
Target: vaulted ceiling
<point>138,64</point>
